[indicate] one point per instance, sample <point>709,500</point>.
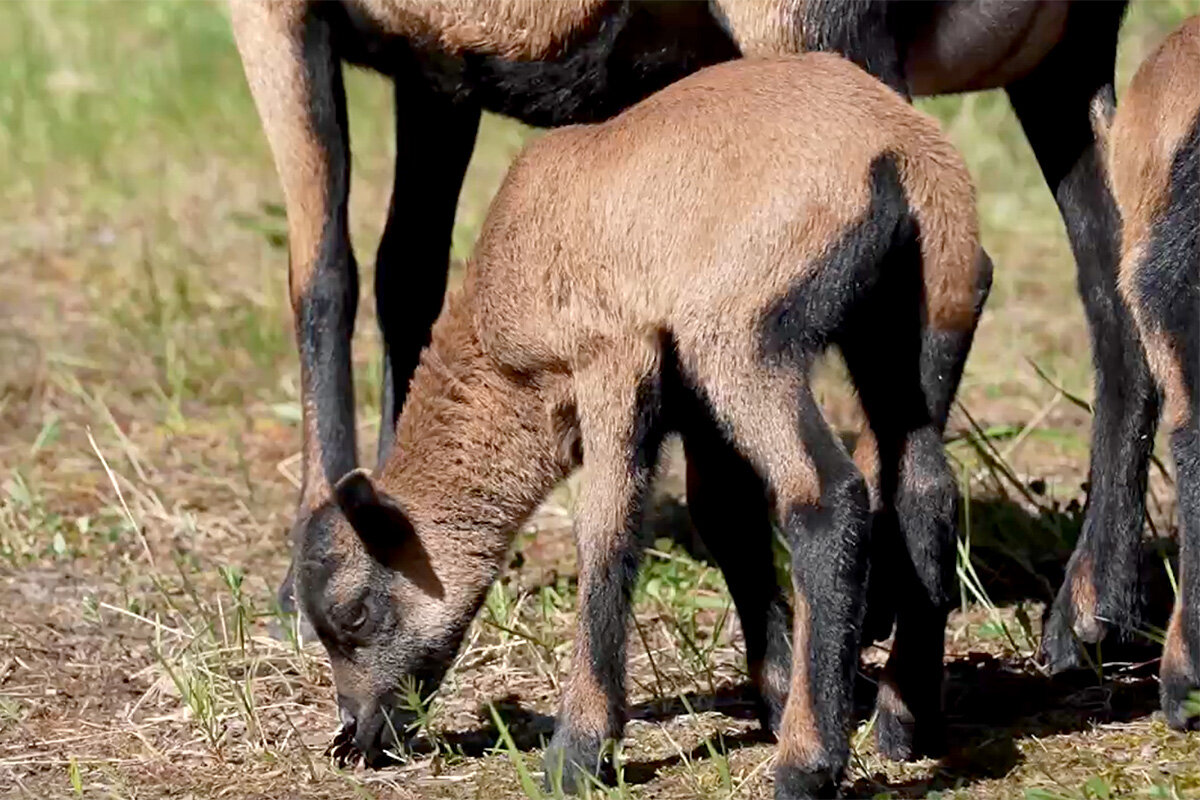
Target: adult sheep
<point>550,63</point>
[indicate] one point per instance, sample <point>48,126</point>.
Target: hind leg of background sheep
<point>618,402</point>
<point>728,504</point>
<point>434,139</point>
<point>1100,591</point>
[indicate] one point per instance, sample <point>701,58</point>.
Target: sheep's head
<point>390,616</point>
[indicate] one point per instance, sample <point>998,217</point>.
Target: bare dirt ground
<point>149,448</point>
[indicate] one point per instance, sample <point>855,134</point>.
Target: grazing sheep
<point>677,269</point>
<point>565,61</point>
<point>1153,151</point>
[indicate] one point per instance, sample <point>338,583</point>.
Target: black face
<point>390,627</point>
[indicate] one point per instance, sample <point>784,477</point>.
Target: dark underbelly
<point>636,49</point>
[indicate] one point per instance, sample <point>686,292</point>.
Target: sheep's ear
<point>380,523</point>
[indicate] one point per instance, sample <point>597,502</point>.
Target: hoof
<point>900,738</point>
<point>1062,648</point>
<point>575,763</point>
<point>796,783</point>
<point>1180,702</point>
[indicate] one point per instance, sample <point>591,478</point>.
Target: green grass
<point>144,324</point>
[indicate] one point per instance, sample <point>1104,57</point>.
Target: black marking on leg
<point>609,593</point>
<point>1167,291</point>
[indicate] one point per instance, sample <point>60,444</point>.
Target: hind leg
<point>907,381</point>
<point>728,504</point>
<point>819,499</point>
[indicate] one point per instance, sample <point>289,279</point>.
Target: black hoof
<point>1180,703</point>
<point>1061,649</point>
<point>900,738</point>
<point>795,783</point>
<point>575,763</point>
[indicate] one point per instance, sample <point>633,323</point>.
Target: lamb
<point>1153,161</point>
<point>677,269</point>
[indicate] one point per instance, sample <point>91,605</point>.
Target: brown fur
<point>684,219</point>
<point>544,305</point>
<point>800,738</point>
<point>1083,597</point>
<point>527,30</point>
<point>1155,115</point>
<point>1174,658</point>
<point>866,458</point>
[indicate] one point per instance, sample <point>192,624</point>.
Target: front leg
<point>435,134</point>
<point>618,400</point>
<point>296,80</point>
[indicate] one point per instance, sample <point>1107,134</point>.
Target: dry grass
<point>149,446</point>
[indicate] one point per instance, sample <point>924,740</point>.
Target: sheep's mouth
<point>385,746</point>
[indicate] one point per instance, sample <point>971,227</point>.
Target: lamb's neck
<point>476,446</point>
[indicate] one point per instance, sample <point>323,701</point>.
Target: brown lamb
<point>678,269</point>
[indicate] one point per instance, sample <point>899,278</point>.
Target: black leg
<point>1180,674</point>
<point>434,138</point>
<point>619,405</point>
<point>907,381</point>
<point>295,75</point>
<point>829,542</point>
<point>1100,590</point>
<point>1160,284</point>
<point>728,505</point>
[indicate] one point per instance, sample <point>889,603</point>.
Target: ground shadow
<point>993,702</point>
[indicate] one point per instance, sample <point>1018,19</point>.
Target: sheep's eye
<point>358,620</point>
